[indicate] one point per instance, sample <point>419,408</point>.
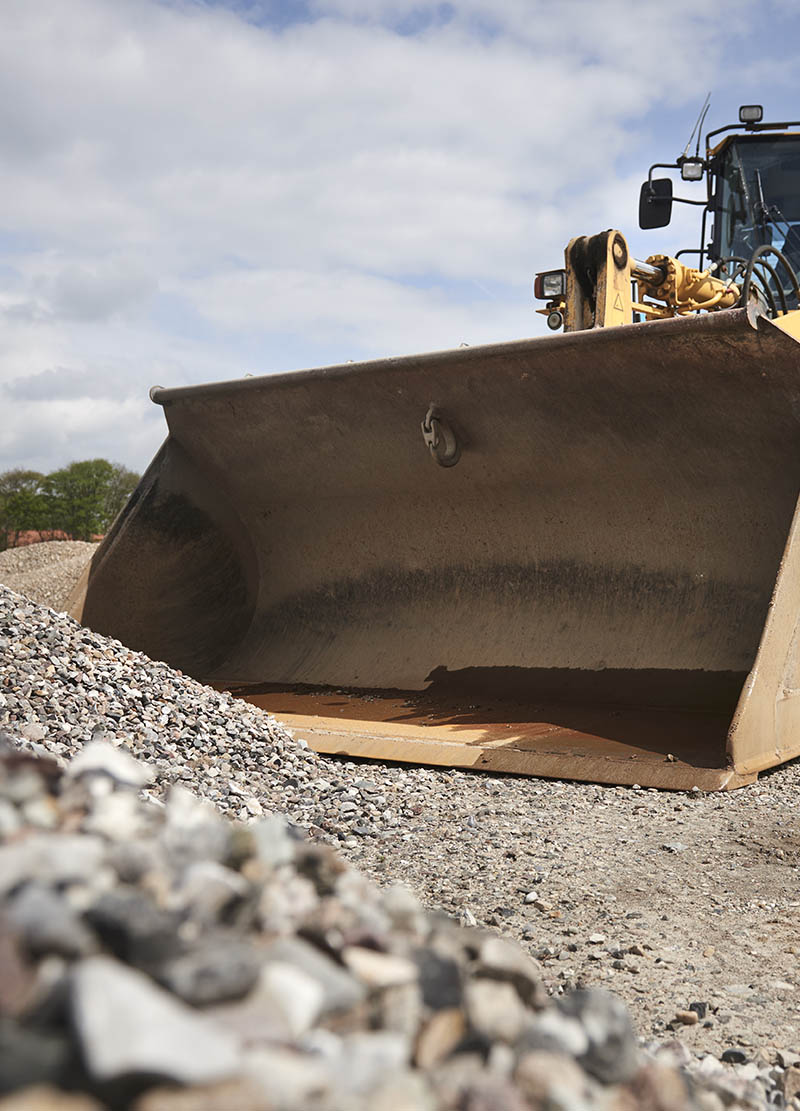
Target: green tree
<point>81,499</point>
<point>22,504</point>
<point>76,497</point>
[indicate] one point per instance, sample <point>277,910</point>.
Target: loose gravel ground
<point>685,905</point>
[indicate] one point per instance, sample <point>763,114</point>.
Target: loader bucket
<point>603,583</point>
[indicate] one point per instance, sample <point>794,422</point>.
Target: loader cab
<point>751,214</point>
<point>754,197</point>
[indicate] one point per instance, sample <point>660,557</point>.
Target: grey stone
<point>673,1052</point>
<point>291,994</point>
<point>554,1032</point>
<point>367,1057</point>
<point>791,1083</point>
<point>341,990</point>
<point>208,889</point>
<point>32,730</point>
<point>117,817</point>
<point>267,1014</point>
<point>440,978</point>
<point>134,929</point>
<point>504,960</point>
<point>213,971</point>
<point>404,909</point>
<point>400,1009</point>
<point>495,1010</point>
<point>52,858</point>
<point>283,907</point>
<point>612,1055</point>
<point>48,924</point>
<point>273,841</point>
<point>10,820</point>
<point>30,1056</point>
<point>551,1080</point>
<point>194,830</point>
<point>733,1057</point>
<point>289,1079</point>
<point>23,785</point>
<point>132,860</point>
<point>128,1026</point>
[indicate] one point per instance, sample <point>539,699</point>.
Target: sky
<point>197,190</point>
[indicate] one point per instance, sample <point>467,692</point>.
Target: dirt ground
<point>668,899</point>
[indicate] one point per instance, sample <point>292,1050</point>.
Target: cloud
<point>98,291</point>
<point>293,300</point>
<point>92,291</point>
<point>199,188</point>
<point>50,433</point>
<point>68,383</point>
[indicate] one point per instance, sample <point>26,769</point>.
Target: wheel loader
<point>575,555</point>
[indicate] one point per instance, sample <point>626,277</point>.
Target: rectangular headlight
<point>549,285</point>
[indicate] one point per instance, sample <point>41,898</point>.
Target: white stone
<point>295,995</point>
<point>128,1025</point>
<point>99,757</point>
<point>378,970</point>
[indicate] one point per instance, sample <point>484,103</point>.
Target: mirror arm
<point>660,166</point>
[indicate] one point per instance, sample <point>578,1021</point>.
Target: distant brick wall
<point>34,537</point>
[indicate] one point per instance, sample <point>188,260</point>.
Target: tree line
<point>80,500</point>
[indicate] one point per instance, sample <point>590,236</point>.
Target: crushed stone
<point>709,930</point>
<point>168,958</point>
<point>46,572</point>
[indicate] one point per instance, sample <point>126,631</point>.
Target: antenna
<point>698,127</point>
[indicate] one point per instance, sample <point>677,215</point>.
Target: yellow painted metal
<point>686,290</point>
<point>600,273</point>
<point>728,140</point>
<point>598,282</point>
<point>789,323</point>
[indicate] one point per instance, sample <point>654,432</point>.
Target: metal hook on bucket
<point>440,438</point>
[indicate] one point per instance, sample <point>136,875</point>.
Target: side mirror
<point>655,203</point>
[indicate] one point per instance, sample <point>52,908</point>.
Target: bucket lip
<point>723,322</point>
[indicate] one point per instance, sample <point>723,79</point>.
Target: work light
<point>549,285</point>
<point>692,169</point>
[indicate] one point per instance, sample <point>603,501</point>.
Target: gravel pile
<point>160,958</point>
<point>685,905</point>
<point>65,685</point>
<point>46,572</point>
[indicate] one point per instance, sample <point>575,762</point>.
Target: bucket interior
<point>594,571</point>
